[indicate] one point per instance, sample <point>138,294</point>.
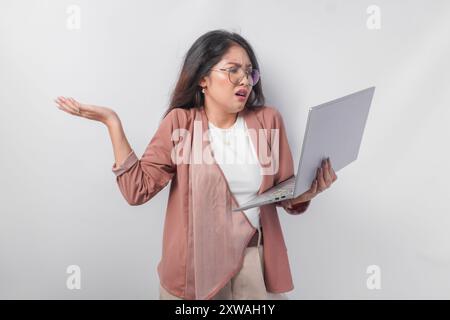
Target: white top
<point>235,154</point>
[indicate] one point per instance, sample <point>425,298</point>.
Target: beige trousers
<point>247,284</point>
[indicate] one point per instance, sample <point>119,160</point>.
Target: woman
<point>210,252</point>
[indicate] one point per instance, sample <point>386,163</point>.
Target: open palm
<point>73,107</point>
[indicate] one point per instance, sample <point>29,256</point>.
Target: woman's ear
<point>203,82</point>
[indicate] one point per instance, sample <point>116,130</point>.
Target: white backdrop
<point>60,205</point>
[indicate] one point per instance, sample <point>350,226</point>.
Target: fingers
<point>332,173</point>
<point>326,172</point>
<point>314,186</point>
<point>321,181</point>
<point>68,105</point>
<point>74,104</point>
<point>64,105</point>
<point>325,175</point>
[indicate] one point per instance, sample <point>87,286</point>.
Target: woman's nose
<point>245,80</point>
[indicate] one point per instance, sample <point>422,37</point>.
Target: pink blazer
<point>141,179</point>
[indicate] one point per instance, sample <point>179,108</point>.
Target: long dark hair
<point>207,51</point>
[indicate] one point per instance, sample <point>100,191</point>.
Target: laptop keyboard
<point>285,190</point>
<point>281,192</point>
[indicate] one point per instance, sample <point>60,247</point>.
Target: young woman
<point>216,111</point>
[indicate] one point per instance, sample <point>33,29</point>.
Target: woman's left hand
<point>325,177</point>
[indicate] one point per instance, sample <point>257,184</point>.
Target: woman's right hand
<point>97,113</point>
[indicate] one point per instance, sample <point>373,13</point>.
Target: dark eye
<point>234,70</point>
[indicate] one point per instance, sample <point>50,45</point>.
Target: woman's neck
<point>220,118</point>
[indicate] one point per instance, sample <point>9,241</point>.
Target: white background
<point>60,204</point>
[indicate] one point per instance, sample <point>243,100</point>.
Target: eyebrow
<point>238,64</point>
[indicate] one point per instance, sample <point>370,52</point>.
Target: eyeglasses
<point>235,75</point>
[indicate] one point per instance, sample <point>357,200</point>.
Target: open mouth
<point>241,93</point>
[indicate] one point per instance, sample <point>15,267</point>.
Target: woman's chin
<point>236,107</point>
<point>240,107</point>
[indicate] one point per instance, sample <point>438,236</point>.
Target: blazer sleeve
<point>141,179</point>
<point>286,167</point>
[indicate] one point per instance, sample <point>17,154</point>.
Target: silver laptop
<point>334,129</point>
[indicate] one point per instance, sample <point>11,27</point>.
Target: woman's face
<point>220,92</point>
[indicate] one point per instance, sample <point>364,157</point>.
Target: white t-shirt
<point>235,154</point>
